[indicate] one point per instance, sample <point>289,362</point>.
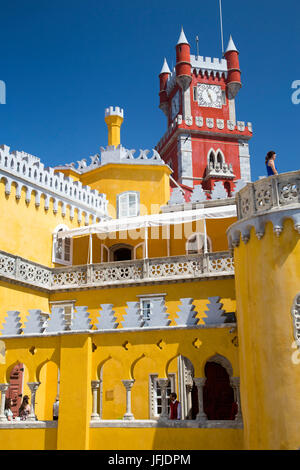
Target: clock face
<point>175,106</point>
<point>209,95</point>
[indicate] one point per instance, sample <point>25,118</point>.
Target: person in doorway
<point>175,407</point>
<point>270,163</point>
<point>55,409</point>
<point>7,411</point>
<point>24,409</point>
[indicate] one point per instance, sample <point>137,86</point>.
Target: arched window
<point>128,204</point>
<point>220,158</point>
<point>195,244</point>
<point>218,395</point>
<point>211,159</point>
<point>62,250</point>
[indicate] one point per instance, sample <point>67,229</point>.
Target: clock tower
<point>204,142</point>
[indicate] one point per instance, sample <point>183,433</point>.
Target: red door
<point>15,388</point>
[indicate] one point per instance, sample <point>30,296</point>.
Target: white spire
<point>231,45</point>
<point>165,67</point>
<point>182,39</point>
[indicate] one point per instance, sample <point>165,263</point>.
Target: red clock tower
<point>204,142</point>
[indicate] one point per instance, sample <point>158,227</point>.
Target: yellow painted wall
<point>198,290</point>
<point>267,281</point>
<point>152,182</point>
<point>166,439</point>
<point>122,355</point>
<point>26,230</point>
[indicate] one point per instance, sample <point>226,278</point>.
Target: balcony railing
<point>269,194</point>
<point>218,264</point>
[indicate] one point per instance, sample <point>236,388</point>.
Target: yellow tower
<point>114,118</point>
<point>267,277</point>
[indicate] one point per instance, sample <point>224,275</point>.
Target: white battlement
<point>119,154</point>
<point>27,171</point>
<point>117,111</point>
<point>209,63</point>
<point>204,124</point>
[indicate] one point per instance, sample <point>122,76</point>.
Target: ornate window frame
<point>126,195</point>
<point>66,246</point>
<point>154,395</point>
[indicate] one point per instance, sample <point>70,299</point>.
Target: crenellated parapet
<point>39,323</point>
<point>273,199</point>
<point>27,172</point>
<point>239,129</point>
<point>112,154</point>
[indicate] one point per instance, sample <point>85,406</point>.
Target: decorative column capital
<point>95,384</point>
<point>199,381</point>
<point>3,387</point>
<point>33,386</point>
<point>128,384</point>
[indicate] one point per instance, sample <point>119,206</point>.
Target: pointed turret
<point>183,62</point>
<point>231,46</point>
<point>182,39</point>
<point>234,73</point>
<point>163,80</point>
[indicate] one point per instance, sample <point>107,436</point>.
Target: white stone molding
<point>95,387</point>
<point>210,122</point>
<point>220,123</point>
<point>209,65</point>
<point>200,382</point>
<point>199,121</point>
<point>215,314</point>
<point>273,199</point>
<point>174,268</point>
<point>217,166</point>
<point>56,321</point>
<point>26,171</point>
<point>36,323</point>
<point>12,324</point>
<point>235,384</point>
<point>3,390</point>
<point>296,319</point>
<point>107,319</point>
<point>128,416</point>
<point>81,320</point>
<point>177,197</point>
<point>187,313</point>
<point>185,160</point>
<point>223,361</point>
<point>163,383</point>
<point>219,192</point>
<point>33,389</point>
<point>198,194</point>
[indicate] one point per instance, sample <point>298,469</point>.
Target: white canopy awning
<point>154,220</point>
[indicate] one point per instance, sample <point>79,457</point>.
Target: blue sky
<point>64,62</point>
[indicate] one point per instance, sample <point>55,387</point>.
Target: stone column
<point>128,385</point>
<point>199,382</point>
<point>33,388</point>
<point>189,388</point>
<point>163,383</point>
<point>235,383</point>
<point>3,389</point>
<point>95,386</point>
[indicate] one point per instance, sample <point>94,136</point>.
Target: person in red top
<point>175,407</point>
